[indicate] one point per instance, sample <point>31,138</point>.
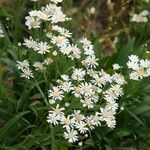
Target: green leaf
<point>120,133</point>
<point>10,123</point>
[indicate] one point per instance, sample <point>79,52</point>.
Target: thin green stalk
<point>53,146</point>
<point>41,92</point>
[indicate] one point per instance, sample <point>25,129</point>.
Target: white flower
<point>116,66</point>
<point>111,122</point>
<point>90,61</point>
<point>81,126</point>
<point>21,65</point>
<point>27,73</point>
<point>85,42</point>
<point>53,119</point>
<point>77,116</point>
<point>43,16</point>
<point>139,67</point>
<point>71,135</point>
<point>133,58</point>
<point>42,48</point>
<point>51,9</point>
<point>67,87</point>
<point>87,89</point>
<point>30,43</point>
<point>59,40</point>
<point>89,122</point>
<point>38,66</point>
<point>118,78</point>
<point>65,77</point>
<point>32,22</point>
<point>106,113</point>
<point>97,80</point>
<point>77,91</point>
<point>48,61</point>
<point>65,49</point>
<point>57,112</point>
<point>64,32</point>
<point>87,102</point>
<point>75,52</point>
<point>56,93</point>
<point>96,119</point>
<point>67,122</point>
<point>78,74</point>
<point>59,17</point>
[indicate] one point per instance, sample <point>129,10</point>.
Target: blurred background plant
<point>108,24</point>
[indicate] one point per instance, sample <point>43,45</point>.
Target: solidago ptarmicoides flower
<point>87,96</point>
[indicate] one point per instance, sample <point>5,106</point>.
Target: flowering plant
<point>85,96</point>
<point>62,92</point>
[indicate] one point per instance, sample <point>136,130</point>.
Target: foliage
<point>23,109</point>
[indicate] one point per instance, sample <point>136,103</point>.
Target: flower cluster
<point>50,13</point>
<point>142,17</point>
<point>85,97</point>
<point>90,96</point>
<point>140,68</point>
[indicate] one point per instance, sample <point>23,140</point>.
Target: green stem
<point>41,92</point>
<point>53,146</point>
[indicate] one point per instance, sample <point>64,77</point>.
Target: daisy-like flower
<point>43,16</point>
<point>67,122</point>
<point>117,90</point>
<point>56,93</point>
<point>97,80</point>
<point>85,42</point>
<point>48,61</point>
<point>77,91</point>
<point>65,49</point>
<point>89,122</point>
<point>81,126</point>
<point>75,52</point>
<point>139,67</point>
<point>59,40</point>
<point>51,9</point>
<point>111,122</point>
<point>59,17</point>
<point>53,119</point>
<point>64,32</point>
<point>87,102</point>
<point>71,135</point>
<point>96,119</point>
<point>65,77</point>
<point>118,78</point>
<point>78,74</point>
<point>116,66</point>
<point>32,22</point>
<point>42,48</point>
<point>67,87</point>
<point>87,89</point>
<point>27,73</point>
<point>106,113</point>
<point>30,43</point>
<point>90,61</point>
<point>77,116</point>
<point>21,65</point>
<point>57,111</point>
<point>38,66</point>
